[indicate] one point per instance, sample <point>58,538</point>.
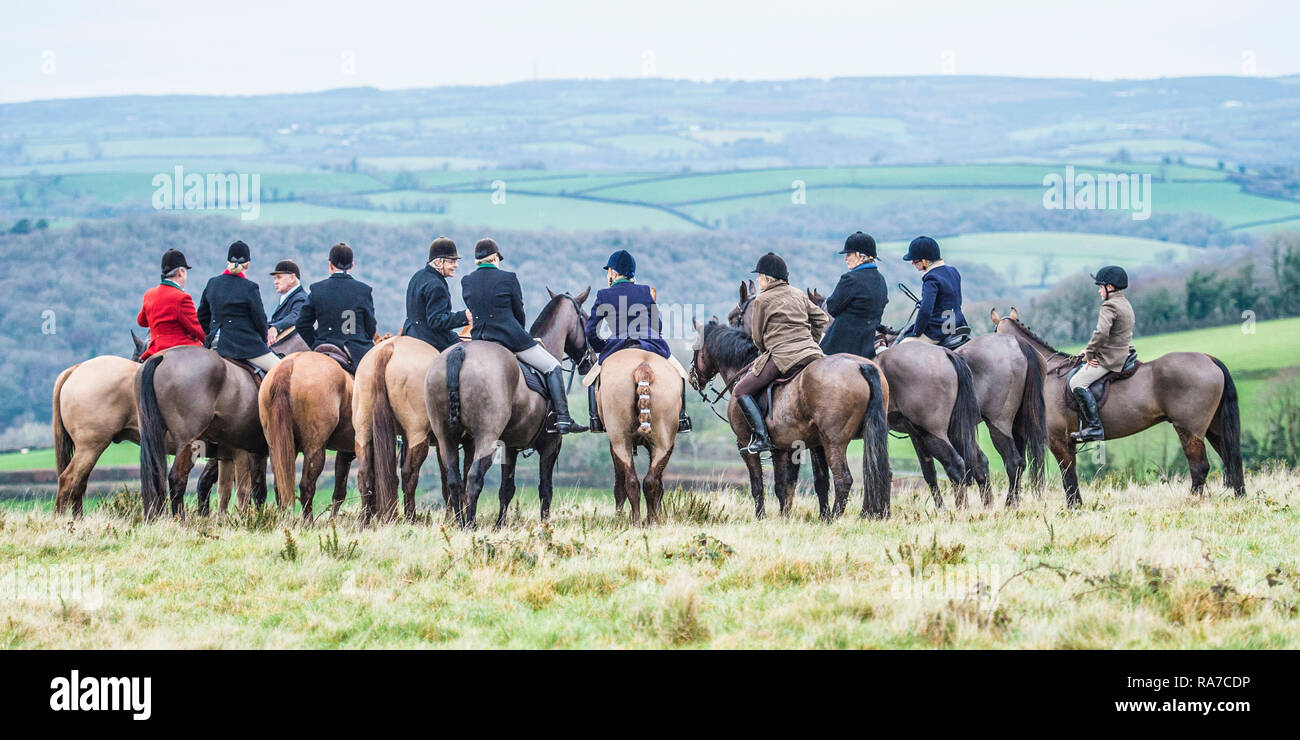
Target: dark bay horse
<point>1191,390</point>
<point>185,394</point>
<point>931,398</point>
<point>305,404</point>
<point>833,400</point>
<point>475,395</point>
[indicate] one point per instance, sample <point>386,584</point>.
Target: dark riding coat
<point>341,311</point>
<point>496,301</point>
<point>287,312</point>
<point>631,314</point>
<point>232,304</point>
<point>429,316</point>
<point>857,304</point>
<point>940,294</point>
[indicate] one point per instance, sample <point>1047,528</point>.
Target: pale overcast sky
<point>62,48</point>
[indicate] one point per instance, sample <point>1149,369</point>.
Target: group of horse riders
<point>789,330</point>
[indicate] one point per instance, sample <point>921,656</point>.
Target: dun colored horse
<point>305,405</point>
<point>387,402</point>
<point>1191,390</point>
<point>831,401</point>
<point>476,395</point>
<point>639,399</point>
<point>186,394</point>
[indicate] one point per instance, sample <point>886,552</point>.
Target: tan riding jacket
<point>787,327</point>
<point>1112,340</point>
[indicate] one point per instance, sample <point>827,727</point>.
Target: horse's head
<point>1006,324</point>
<point>817,298</point>
<point>702,367</point>
<point>564,317</point>
<point>738,315</point>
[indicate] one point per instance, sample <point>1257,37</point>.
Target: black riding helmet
<point>860,243</point>
<point>773,266</point>
<point>922,248</point>
<point>238,253</point>
<point>1112,275</point>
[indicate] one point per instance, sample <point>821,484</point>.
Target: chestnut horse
<point>305,405</point>
<point>475,394</point>
<point>1191,390</point>
<point>831,401</point>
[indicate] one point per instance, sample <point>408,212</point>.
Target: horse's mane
<point>1031,335</point>
<point>728,345</point>
<point>547,314</point>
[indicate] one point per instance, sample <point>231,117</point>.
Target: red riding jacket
<point>168,312</point>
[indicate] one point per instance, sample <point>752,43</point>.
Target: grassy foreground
<point>1138,566</point>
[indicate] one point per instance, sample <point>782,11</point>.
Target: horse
<point>831,401</point>
<point>189,393</point>
<point>1192,391</point>
<point>932,400</point>
<point>388,401</point>
<point>475,393</point>
<point>305,405</point>
<point>639,400</point>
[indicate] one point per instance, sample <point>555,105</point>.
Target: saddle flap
<point>957,338</point>
<point>1100,387</point>
<point>534,380</point>
<point>336,353</point>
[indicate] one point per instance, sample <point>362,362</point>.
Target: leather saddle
<point>1100,387</point>
<point>957,338</point>
<point>765,399</point>
<point>338,354</point>
<point>250,368</point>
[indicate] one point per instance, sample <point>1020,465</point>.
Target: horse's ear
<point>583,295</point>
<point>138,344</point>
<point>550,292</point>
<point>993,314</point>
<point>744,292</point>
<point>1014,315</point>
<point>715,319</point>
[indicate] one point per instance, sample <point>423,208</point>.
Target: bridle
<point>701,388</point>
<point>575,361</point>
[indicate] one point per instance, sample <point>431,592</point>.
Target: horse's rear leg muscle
<point>72,481</point>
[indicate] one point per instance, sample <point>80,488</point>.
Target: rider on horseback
<point>496,302</point>
<point>428,299</point>
<point>857,302</point>
<point>1109,348</point>
<point>167,311</point>
<point>231,309</point>
<point>938,313</point>
<point>786,329</point>
<point>633,316</point>
<point>288,284</point>
<point>340,309</point>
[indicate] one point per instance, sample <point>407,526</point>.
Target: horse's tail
<point>277,420</point>
<point>643,376</point>
<point>1229,416</point>
<point>153,440</point>
<point>455,360</point>
<point>63,447</point>
<point>1030,423</point>
<point>965,414</point>
<point>876,476</point>
<point>383,431</point>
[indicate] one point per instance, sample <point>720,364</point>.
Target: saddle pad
<point>1101,387</point>
<point>336,353</point>
<point>534,380</point>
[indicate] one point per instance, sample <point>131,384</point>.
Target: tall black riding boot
<point>564,424</point>
<point>760,442</point>
<point>683,421</point>
<point>596,424</point>
<point>1090,418</point>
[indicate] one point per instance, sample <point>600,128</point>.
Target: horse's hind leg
<point>72,481</point>
<point>953,465</point>
<point>506,493</point>
<point>342,467</point>
<point>207,479</point>
<point>484,450</point>
<point>1197,463</point>
<point>548,451</point>
<point>754,463</point>
<point>838,460</point>
<point>620,481</point>
<point>926,462</point>
<point>178,477</point>
<point>1012,461</point>
<point>1063,449</point>
<point>413,459</point>
<point>653,484</point>
<point>313,462</point>
<point>979,471</point>
<point>449,457</point>
<point>821,482</point>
